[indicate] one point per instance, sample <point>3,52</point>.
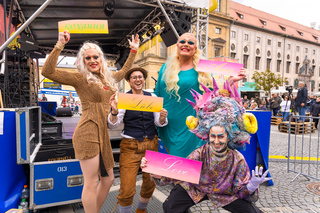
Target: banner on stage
<point>140,102</point>
<point>219,67</point>
<point>173,167</point>
<point>84,26</point>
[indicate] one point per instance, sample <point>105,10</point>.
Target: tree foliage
<point>267,80</point>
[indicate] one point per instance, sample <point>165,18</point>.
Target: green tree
<point>267,80</point>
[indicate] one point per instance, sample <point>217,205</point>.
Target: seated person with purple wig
<point>225,177</point>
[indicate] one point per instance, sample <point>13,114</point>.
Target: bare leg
<point>144,200</point>
<point>90,170</point>
<point>104,187</point>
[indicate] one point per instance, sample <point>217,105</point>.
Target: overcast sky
<point>302,12</point>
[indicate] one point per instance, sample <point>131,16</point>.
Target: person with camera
<point>301,99</point>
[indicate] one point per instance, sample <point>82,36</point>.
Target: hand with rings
<point>257,178</point>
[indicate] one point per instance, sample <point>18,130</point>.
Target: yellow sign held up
<point>84,26</point>
<point>140,102</point>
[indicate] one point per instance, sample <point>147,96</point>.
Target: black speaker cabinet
<point>64,112</point>
<point>182,23</point>
<point>51,129</point>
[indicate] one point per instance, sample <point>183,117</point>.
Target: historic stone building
<point>263,41</point>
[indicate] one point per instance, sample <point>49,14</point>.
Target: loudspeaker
<point>64,112</point>
<point>182,22</point>
<point>124,53</point>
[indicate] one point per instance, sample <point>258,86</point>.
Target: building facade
<point>263,41</point>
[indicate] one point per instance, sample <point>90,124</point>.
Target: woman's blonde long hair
<point>172,70</point>
<point>93,78</point>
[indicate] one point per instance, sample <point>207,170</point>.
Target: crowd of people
<point>96,87</point>
<point>298,104</point>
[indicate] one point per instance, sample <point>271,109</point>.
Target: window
<point>218,6</point>
<point>233,47</point>
<point>240,15</point>
<point>217,51</point>
<point>306,50</point>
<point>297,68</point>
<point>258,51</point>
<point>263,22</point>
<point>313,69</point>
<point>315,37</point>
<point>233,55</point>
<point>288,57</point>
<point>269,53</point>
<point>163,50</point>
<point>233,34</point>
<point>298,48</point>
<point>288,67</point>
<point>297,58</point>
<point>279,44</point>
<point>300,33</point>
<point>218,30</point>
<point>246,37</point>
<point>278,65</point>
<point>289,46</point>
<point>258,39</point>
<point>244,80</point>
<point>313,52</point>
<point>245,61</point>
<point>282,28</point>
<point>269,41</point>
<point>245,49</point>
<point>268,63</point>
<point>257,66</point>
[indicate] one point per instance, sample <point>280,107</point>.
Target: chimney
<point>313,25</point>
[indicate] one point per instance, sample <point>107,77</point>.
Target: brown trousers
<point>131,153</point>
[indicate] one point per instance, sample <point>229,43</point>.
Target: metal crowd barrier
<point>303,146</point>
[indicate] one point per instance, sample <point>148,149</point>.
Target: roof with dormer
<point>243,14</point>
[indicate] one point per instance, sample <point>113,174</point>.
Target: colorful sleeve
<point>241,179</point>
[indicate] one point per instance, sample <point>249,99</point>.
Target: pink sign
<point>219,67</point>
<point>173,167</point>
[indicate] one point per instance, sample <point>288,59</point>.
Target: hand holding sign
<point>140,102</point>
<point>172,167</point>
<point>144,165</point>
<point>241,75</point>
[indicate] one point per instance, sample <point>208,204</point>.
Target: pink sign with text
<point>219,67</point>
<point>173,167</point>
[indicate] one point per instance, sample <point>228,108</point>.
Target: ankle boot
<point>141,211</point>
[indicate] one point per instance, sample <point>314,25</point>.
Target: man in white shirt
<point>139,134</point>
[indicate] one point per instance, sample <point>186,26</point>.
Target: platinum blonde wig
<point>172,70</point>
<point>93,78</point>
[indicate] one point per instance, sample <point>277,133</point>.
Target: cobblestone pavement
<point>285,195</point>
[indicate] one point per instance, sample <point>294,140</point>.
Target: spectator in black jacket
<point>315,112</point>
<point>301,99</point>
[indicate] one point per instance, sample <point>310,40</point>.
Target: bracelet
<point>114,114</point>
<point>134,51</point>
<point>59,45</point>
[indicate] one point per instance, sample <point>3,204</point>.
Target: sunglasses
<point>189,42</point>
